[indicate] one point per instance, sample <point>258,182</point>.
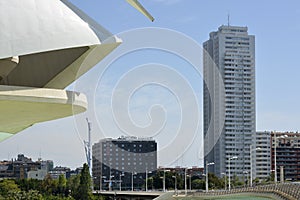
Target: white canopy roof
<point>32,26</point>
<point>40,34</point>
<point>45,44</point>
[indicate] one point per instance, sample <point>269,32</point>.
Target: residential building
<point>42,171</point>
<point>124,160</point>
<point>39,174</point>
<point>229,99</point>
<point>261,155</point>
<point>23,167</point>
<point>57,171</point>
<point>287,154</point>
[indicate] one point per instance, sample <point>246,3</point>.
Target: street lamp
<point>185,186</point>
<point>251,173</point>
<point>206,175</point>
<point>147,179</point>
<point>229,179</point>
<point>190,182</point>
<point>275,154</point>
<point>164,180</point>
<point>224,179</point>
<point>121,181</point>
<point>185,181</point>
<point>133,173</point>
<point>175,185</point>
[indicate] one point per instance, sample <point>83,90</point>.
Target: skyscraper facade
<point>229,99</point>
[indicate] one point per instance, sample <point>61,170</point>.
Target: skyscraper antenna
<point>228,19</point>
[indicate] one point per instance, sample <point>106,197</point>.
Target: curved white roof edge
<point>25,106</point>
<point>84,63</point>
<point>33,26</point>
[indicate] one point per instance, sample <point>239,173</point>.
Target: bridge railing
<point>289,191</point>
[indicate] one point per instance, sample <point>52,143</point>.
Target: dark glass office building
<point>124,162</point>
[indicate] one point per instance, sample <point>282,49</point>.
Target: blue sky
<point>274,24</point>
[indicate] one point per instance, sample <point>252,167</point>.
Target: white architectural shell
<point>45,44</point>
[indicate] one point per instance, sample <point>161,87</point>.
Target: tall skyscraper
<point>229,99</point>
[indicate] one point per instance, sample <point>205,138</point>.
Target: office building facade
<point>124,162</point>
<point>229,99</point>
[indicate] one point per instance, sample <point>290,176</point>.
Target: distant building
<point>229,99</point>
<point>123,159</point>
<point>18,168</point>
<point>24,167</point>
<point>261,155</point>
<point>287,154</point>
<point>39,174</point>
<point>6,169</point>
<point>74,172</point>
<point>57,171</point>
<point>46,165</point>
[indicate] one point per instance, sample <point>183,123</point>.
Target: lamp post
<point>185,189</point>
<point>229,179</point>
<point>190,182</point>
<point>224,179</point>
<point>132,180</point>
<point>147,179</point>
<point>175,185</point>
<point>206,175</point>
<point>251,173</point>
<point>121,181</point>
<point>164,180</point>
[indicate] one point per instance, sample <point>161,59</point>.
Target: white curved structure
<point>25,106</point>
<point>45,44</point>
<point>53,43</point>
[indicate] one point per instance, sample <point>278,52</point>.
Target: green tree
<point>157,180</point>
<point>29,184</point>
<point>7,185</point>
<point>49,186</point>
<point>62,185</point>
<point>271,178</point>
<point>73,184</point>
<point>84,191</point>
<point>214,182</point>
<point>150,183</point>
<point>31,194</point>
<point>198,184</point>
<point>236,182</point>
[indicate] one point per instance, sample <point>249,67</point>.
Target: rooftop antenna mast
<point>228,19</point>
<point>88,144</point>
